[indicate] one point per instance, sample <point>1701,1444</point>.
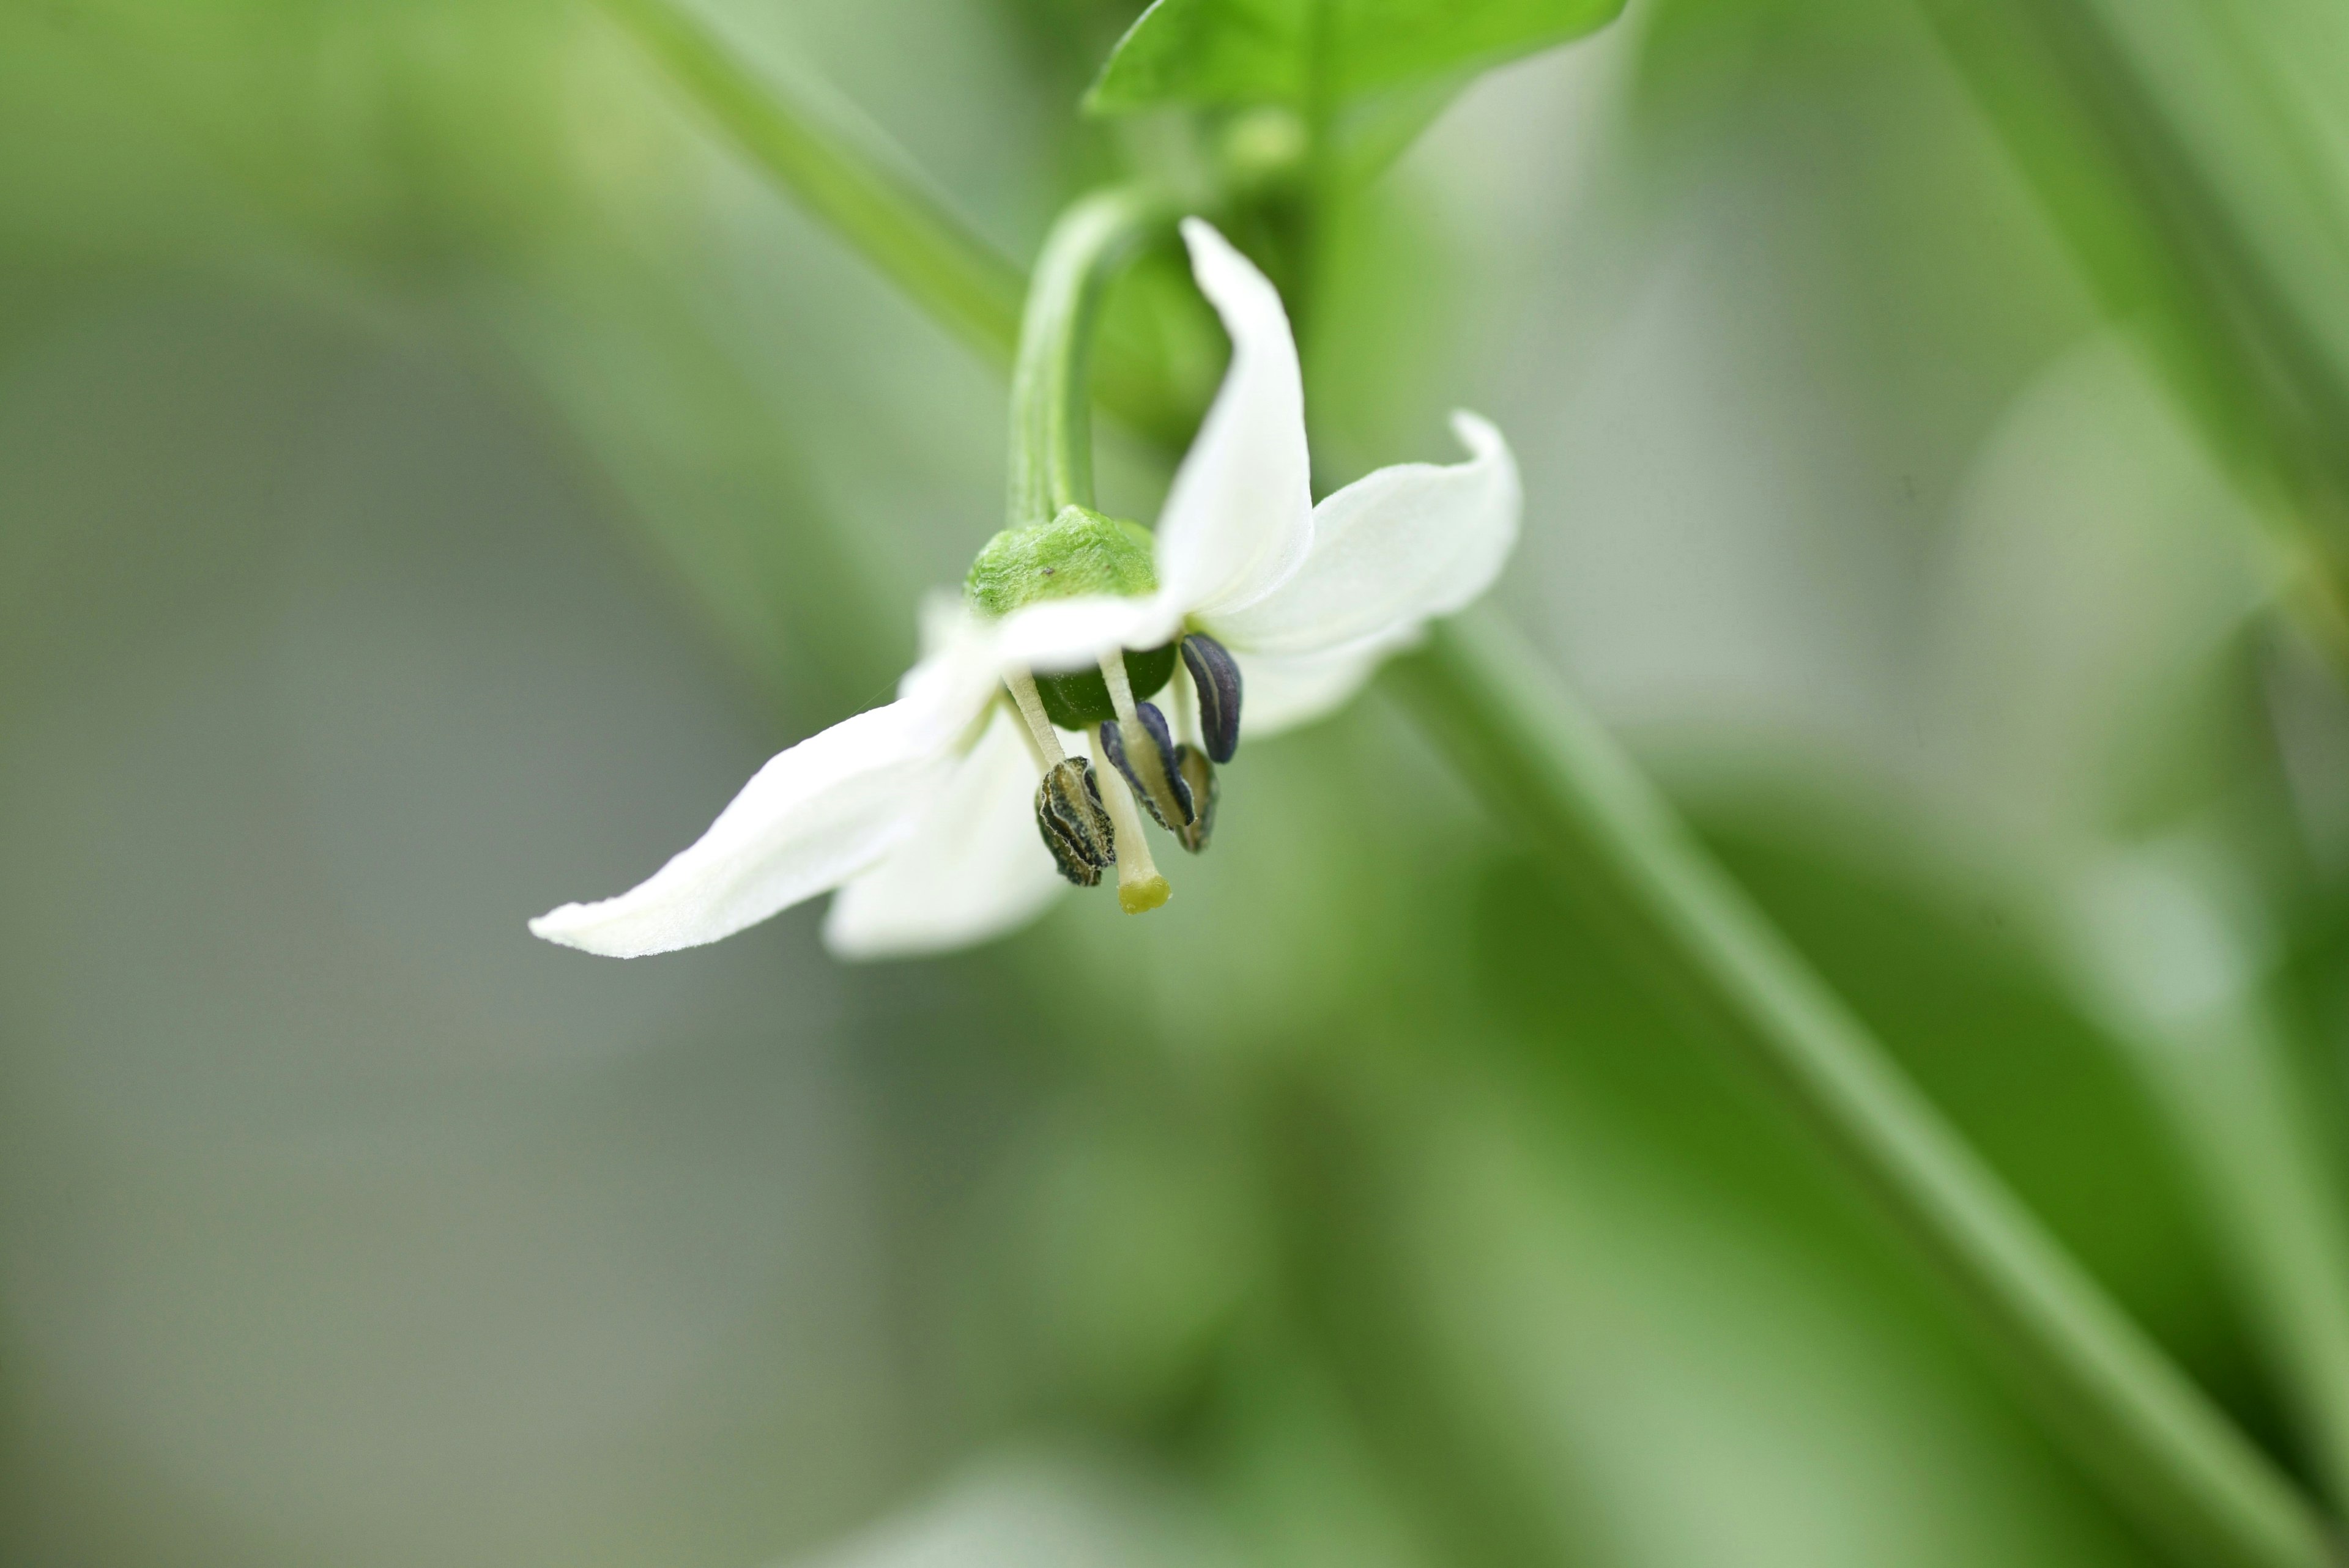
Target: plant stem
<point>2181,982</point>
<point>1051,395</point>
<point>2171,150</point>
<point>844,171</point>
<point>2232,1083</point>
<point>2174,172</point>
<point>2162,1449</point>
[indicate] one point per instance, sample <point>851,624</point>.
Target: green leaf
<point>2181,156</point>
<point>1316,55</point>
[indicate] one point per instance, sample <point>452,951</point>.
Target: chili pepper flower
<point>1022,748</point>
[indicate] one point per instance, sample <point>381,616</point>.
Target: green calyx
<point>1079,551</point>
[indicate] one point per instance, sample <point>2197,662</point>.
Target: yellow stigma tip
<point>1142,895</point>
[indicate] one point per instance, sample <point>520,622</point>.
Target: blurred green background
<point>435,469</point>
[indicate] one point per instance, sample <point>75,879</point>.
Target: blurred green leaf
<point>1990,1035</point>
<point>2190,159</point>
<point>1315,56</point>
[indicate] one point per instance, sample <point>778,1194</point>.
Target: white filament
<point>1043,740</point>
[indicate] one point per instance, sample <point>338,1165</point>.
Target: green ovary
<point>1079,701</point>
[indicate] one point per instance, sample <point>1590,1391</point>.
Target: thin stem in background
<point>844,172</point>
<point>2234,1089</point>
<point>2166,957</point>
<point>2170,200</point>
<point>2163,1451</point>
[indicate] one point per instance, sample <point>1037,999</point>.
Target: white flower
<point>925,814</point>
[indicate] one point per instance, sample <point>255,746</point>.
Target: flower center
<point>1086,810</point>
<point>1079,551</point>
<point>1086,813</point>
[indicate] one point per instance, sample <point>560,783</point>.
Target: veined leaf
<point>1316,55</point>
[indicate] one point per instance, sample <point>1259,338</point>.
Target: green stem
<point>2163,1451</point>
<point>2182,986</point>
<point>2170,170</point>
<point>844,171</point>
<point>2232,1085</point>
<point>1051,394</point>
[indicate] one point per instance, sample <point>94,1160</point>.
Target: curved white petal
<point>1282,693</point>
<point>958,673</point>
<point>1391,552</point>
<point>814,816</point>
<point>945,623</point>
<point>1240,514</point>
<point>973,867</point>
<point>1058,635</point>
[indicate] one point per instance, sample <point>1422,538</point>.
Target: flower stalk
<point>1052,393</point>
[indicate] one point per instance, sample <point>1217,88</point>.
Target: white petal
<point>945,622</point>
<point>974,866</point>
<point>1058,636</point>
<point>960,673</point>
<point>1391,552</point>
<point>1240,515</point>
<point>1282,693</point>
<point>814,816</point>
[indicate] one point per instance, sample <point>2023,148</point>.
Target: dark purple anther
<point>1217,675</point>
<point>1157,779</point>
